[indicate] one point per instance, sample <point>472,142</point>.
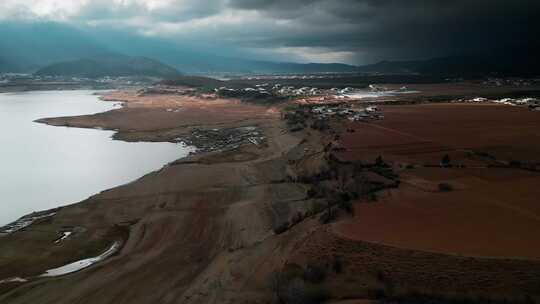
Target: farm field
<point>492,210</point>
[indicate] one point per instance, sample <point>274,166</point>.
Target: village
<point>279,90</point>
<point>208,140</point>
<point>532,103</point>
<point>320,116</point>
<point>347,111</point>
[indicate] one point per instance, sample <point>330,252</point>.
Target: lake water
<point>43,167</point>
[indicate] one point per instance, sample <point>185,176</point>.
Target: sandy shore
<point>205,229</point>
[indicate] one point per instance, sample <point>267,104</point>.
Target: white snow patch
<point>13,280</point>
<point>23,223</point>
<point>65,235</point>
<point>79,265</point>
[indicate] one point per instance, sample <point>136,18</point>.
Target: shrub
<point>387,282</point>
<point>298,292</point>
<point>445,187</point>
<point>485,154</point>
<point>379,162</point>
<point>337,264</point>
<point>296,128</point>
<point>281,228</point>
<point>386,172</point>
<point>316,208</point>
<point>346,205</point>
<point>344,196</point>
<point>297,218</point>
<point>289,286</point>
<point>311,192</point>
<point>291,108</point>
<point>320,125</point>
<point>314,274</point>
<point>515,163</point>
<point>328,216</point>
<point>445,161</point>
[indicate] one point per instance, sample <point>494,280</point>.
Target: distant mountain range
<point>6,66</point>
<point>54,48</point>
<point>518,60</point>
<point>194,81</point>
<point>110,65</point>
<point>30,46</point>
<point>34,46</point>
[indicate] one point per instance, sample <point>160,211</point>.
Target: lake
<point>43,167</point>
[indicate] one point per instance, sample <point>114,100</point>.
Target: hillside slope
<point>27,47</point>
<point>110,66</point>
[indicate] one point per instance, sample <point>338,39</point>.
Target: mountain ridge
<point>514,60</point>
<point>31,47</point>
<point>112,65</point>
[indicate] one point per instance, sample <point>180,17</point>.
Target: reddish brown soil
<point>414,130</point>
<point>513,130</point>
<point>462,89</point>
<point>490,212</point>
<point>469,222</point>
<point>368,267</point>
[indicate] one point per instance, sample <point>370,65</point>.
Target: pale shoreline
<point>19,218</point>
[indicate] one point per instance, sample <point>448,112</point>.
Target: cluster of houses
<point>312,91</point>
<point>228,91</point>
<point>532,103</point>
<point>291,76</point>
<point>25,221</point>
<point>515,82</point>
<point>378,88</point>
<point>206,140</point>
<point>287,91</point>
<point>7,78</point>
<point>292,91</point>
<point>345,111</point>
<point>265,89</point>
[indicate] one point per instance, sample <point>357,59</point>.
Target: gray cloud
<point>356,31</point>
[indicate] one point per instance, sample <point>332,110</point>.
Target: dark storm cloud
<point>356,31</point>
<point>402,29</point>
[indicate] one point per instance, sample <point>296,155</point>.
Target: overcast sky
<point>350,31</point>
